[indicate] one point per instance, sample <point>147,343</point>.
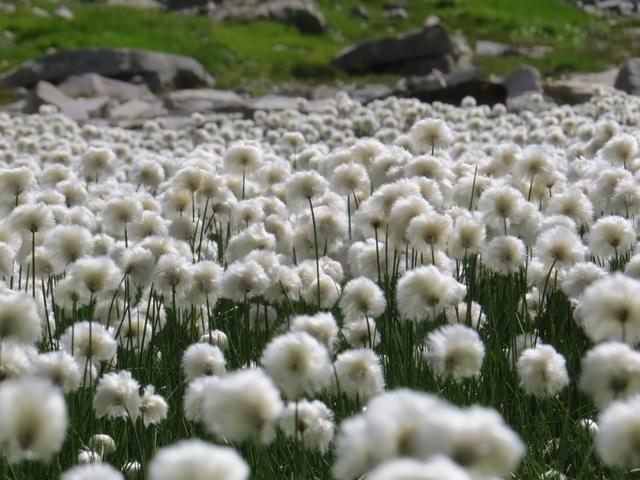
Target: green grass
<point>254,57</point>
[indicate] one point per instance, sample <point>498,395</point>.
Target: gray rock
<point>64,13</point>
<point>416,52</point>
<point>140,4</point>
<point>488,48</point>
<point>396,13</point>
<point>359,11</point>
<point>205,100</point>
<point>368,93</point>
<point>40,12</point>
<point>157,70</point>
<point>137,109</point>
<point>7,7</point>
<point>303,14</point>
<point>454,87</point>
<point>282,102</point>
<point>94,85</point>
<point>523,79</point>
<point>78,109</point>
<point>571,92</point>
<point>628,79</point>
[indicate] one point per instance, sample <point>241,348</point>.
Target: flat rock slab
<point>78,109</point>
<point>92,85</point>
<point>205,100</point>
<point>157,70</point>
<point>137,109</point>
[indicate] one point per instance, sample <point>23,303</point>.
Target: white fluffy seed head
<point>92,471</point>
<point>456,351</point>
<point>203,359</point>
<point>619,434</point>
<point>314,423</point>
<point>33,419</point>
<point>117,395</point>
<point>297,363</point>
<point>242,405</point>
<point>361,297</point>
<point>194,459</point>
<point>542,370</point>
<point>359,374</point>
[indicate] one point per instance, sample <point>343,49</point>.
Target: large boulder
<point>415,53</point>
<point>157,70</point>
<point>303,14</point>
<point>628,79</point>
<point>523,79</point>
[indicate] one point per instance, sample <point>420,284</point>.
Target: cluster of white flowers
<point>384,215</point>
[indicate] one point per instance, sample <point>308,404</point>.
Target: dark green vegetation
<point>256,56</point>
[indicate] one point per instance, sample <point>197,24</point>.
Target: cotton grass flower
<point>117,395</point>
<point>580,276</point>
<point>202,359</point>
<point>611,236</point>
<point>559,247</point>
<point>297,363</point>
<point>153,407</point>
<point>242,405</point>
<point>322,326</point>
<point>424,291</point>
<point>89,340</point>
<point>194,397</point>
<point>610,371</point>
<point>33,419</point>
<point>618,437</point>
<point>92,471</point>
<point>244,280</point>
<point>542,370</point>
<point>312,421</point>
<point>504,254</point>
<point>60,368</point>
<point>429,134</point>
<point>194,460</point>
<point>19,318</point>
<point>469,314</point>
<point>359,374</point>
<point>456,351</point>
<point>477,439</point>
<point>361,333</point>
<point>436,468</point>
<point>361,297</point>
<point>610,309</point>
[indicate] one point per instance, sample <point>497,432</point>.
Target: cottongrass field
<point>392,291</point>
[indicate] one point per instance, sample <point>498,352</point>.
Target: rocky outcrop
<point>94,85</point>
<point>523,79</point>
<point>78,109</point>
<point>612,7</point>
<point>415,53</point>
<point>628,79</point>
<point>157,70</point>
<point>305,15</point>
